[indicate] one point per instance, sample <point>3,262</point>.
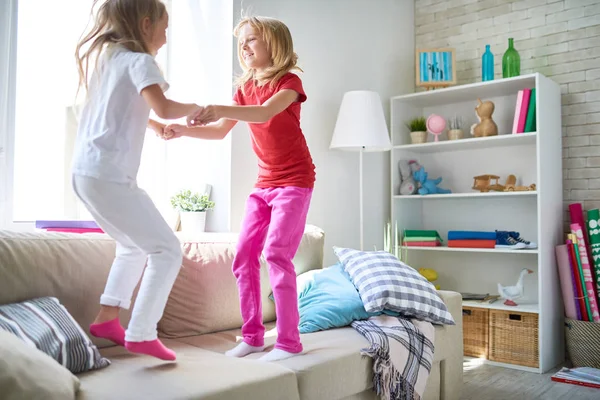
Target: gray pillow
<point>386,283</point>
<point>45,324</point>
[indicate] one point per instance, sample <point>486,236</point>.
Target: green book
<point>530,121</point>
<point>421,233</point>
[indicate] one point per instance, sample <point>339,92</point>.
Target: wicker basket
<point>475,332</point>
<point>514,338</point>
<point>455,134</point>
<point>583,343</point>
<point>418,137</point>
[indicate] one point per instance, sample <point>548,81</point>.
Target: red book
<point>472,243</point>
<point>75,230</point>
<point>573,382</point>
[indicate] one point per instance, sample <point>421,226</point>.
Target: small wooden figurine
<point>486,125</point>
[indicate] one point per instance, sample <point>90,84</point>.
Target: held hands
<point>173,131</point>
<point>204,116</point>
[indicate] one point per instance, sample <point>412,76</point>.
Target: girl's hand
<point>157,127</point>
<point>173,131</point>
<point>211,113</point>
<point>192,118</point>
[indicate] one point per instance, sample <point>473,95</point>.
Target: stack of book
<point>583,376</point>
<point>472,239</point>
<point>71,226</point>
<point>524,119</point>
<point>421,238</point>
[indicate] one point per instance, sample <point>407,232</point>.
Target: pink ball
<point>436,124</point>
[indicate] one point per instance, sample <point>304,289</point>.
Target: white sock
<point>243,349</point>
<point>277,355</point>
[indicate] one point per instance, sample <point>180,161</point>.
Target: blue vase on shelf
<point>487,65</point>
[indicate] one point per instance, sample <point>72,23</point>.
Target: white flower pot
<point>193,222</point>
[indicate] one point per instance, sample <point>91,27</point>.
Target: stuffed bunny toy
<point>408,185</point>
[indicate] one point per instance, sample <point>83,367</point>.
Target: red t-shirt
<point>279,144</point>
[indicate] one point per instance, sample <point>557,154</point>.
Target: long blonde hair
<point>279,43</point>
<point>116,22</point>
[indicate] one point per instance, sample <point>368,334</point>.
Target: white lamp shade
<point>361,123</point>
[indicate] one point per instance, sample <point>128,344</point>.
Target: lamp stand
<point>360,185</point>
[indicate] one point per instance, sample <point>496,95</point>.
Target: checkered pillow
<point>384,282</point>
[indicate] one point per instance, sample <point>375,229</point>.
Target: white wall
<point>342,45</point>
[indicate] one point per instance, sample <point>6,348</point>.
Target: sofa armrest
<point>451,368</point>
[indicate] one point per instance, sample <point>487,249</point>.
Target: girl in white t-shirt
<point>125,84</point>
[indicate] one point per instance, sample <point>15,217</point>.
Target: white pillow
<point>386,283</point>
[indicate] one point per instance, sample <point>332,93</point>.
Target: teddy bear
<point>408,185</point>
<point>428,186</point>
<point>486,125</point>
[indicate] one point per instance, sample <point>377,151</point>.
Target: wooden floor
<point>486,382</point>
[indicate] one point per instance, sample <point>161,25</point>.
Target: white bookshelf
<point>533,157</point>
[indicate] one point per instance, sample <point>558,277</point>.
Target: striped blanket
<point>402,353</point>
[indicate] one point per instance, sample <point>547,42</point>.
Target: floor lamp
<point>361,127</point>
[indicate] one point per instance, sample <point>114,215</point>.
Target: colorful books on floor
<point>71,226</point>
<point>421,238</point>
<point>583,376</point>
<point>472,239</point>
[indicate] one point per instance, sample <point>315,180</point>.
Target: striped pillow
<point>386,283</point>
<point>45,324</point>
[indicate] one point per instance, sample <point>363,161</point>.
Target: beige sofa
<point>201,321</point>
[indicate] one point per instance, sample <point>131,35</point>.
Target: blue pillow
<point>328,299</point>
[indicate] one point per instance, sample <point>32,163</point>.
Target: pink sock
<point>153,348</point>
<point>111,330</point>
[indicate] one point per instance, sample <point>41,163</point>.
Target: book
<point>517,111</point>
<point>583,376</point>
<point>523,110</point>
<point>530,120</point>
<point>79,224</point>
<point>75,230</point>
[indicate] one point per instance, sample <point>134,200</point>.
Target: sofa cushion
<point>197,374</point>
<point>205,298</point>
<point>69,266</point>
<point>27,373</point>
<point>386,283</point>
<point>45,324</point>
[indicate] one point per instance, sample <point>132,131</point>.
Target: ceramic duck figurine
<point>511,293</point>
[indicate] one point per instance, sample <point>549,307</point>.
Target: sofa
<point>201,321</point>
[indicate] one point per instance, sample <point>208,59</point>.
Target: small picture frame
<point>435,67</point>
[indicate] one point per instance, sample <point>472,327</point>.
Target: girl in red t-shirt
<point>268,97</point>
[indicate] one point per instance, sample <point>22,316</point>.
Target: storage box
<point>514,338</point>
<point>475,331</point>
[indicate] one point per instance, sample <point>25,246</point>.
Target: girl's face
<point>253,48</point>
<point>155,35</point>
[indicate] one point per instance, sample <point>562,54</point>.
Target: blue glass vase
<point>487,65</point>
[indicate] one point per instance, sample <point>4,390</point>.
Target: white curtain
<point>198,64</point>
<point>199,70</point>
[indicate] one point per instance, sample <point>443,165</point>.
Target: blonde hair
<point>279,44</point>
<point>116,22</point>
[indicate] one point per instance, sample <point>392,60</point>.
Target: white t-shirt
<point>113,122</point>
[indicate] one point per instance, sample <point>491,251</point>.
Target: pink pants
<point>274,221</point>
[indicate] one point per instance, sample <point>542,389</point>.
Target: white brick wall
<point>558,38</point>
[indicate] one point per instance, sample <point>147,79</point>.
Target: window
<point>198,65</point>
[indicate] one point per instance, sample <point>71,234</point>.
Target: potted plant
<point>418,130</point>
<point>455,128</point>
<point>192,209</point>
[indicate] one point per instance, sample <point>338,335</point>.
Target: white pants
<point>128,215</point>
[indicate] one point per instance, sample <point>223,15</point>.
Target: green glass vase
<point>511,61</point>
